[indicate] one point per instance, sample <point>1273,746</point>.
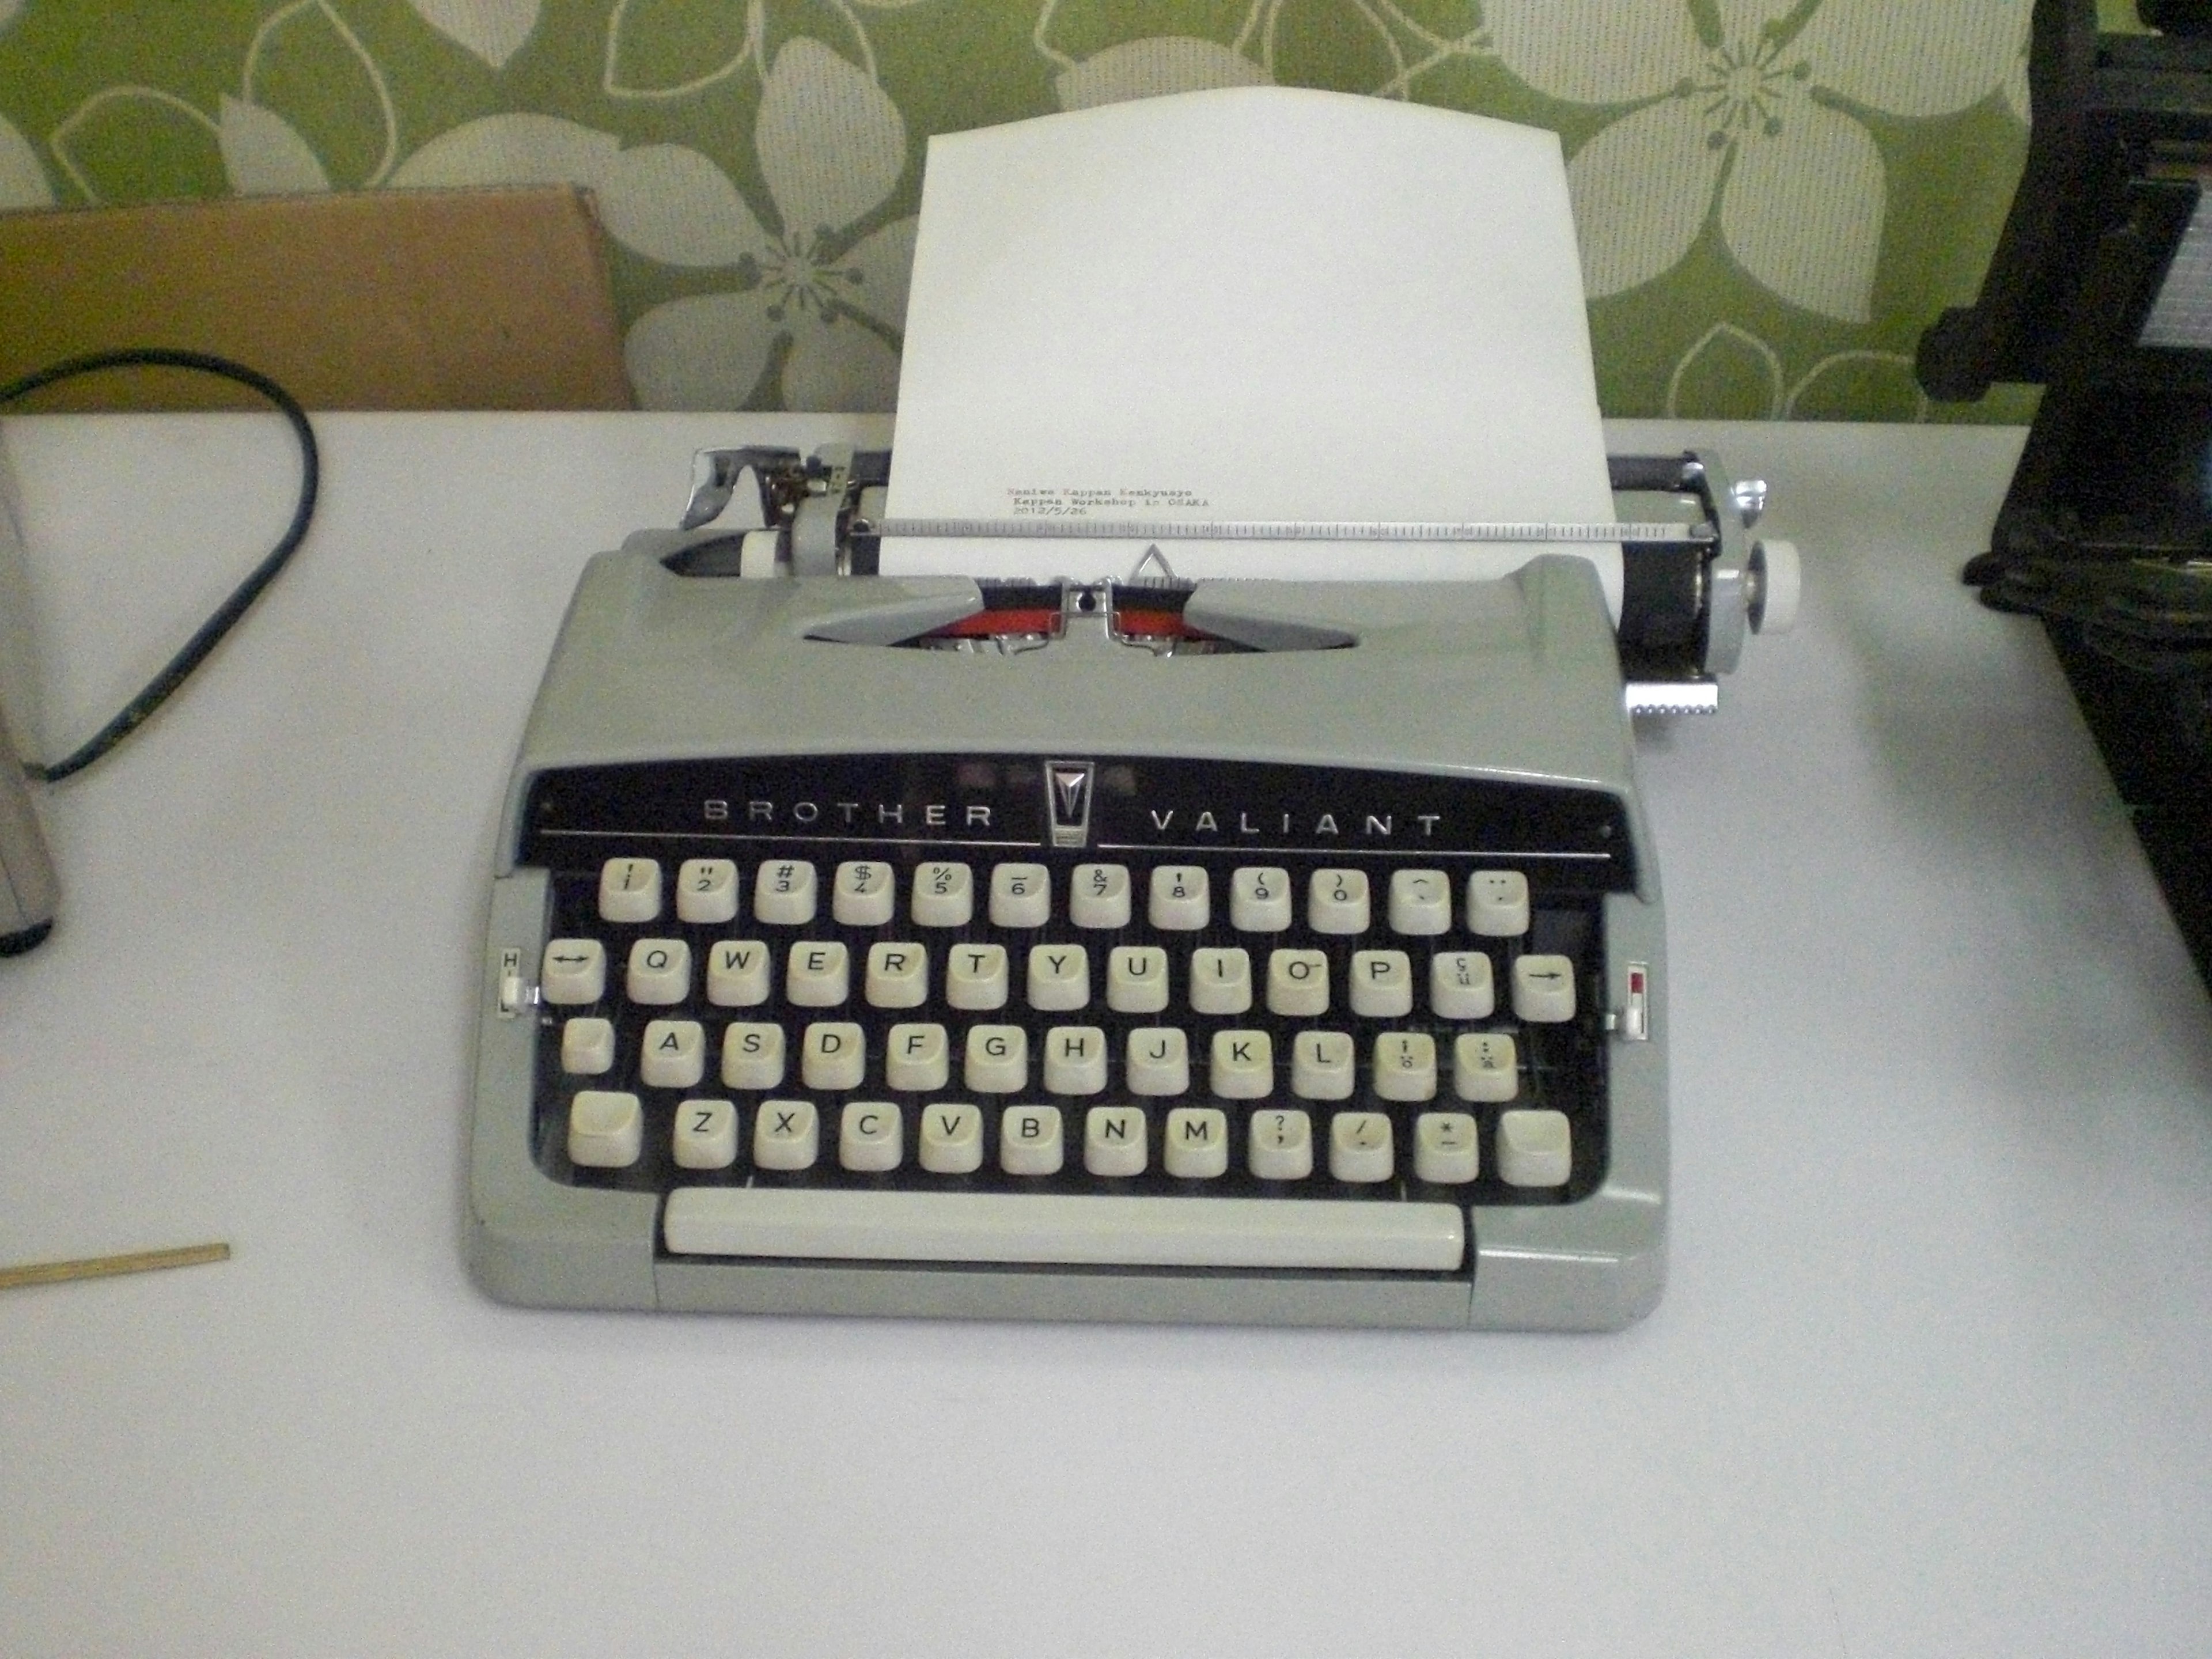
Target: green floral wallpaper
<point>1774,197</point>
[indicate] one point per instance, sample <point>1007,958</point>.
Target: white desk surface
<point>1933,1375</point>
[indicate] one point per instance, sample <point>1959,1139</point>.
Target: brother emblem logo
<point>1067,801</point>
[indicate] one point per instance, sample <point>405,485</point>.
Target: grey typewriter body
<point>1450,731</point>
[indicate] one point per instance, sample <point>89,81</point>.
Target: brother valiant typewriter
<point>1149,950</point>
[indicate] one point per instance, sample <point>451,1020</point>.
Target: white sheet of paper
<point>1255,304</point>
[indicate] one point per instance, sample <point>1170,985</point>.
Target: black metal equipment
<point>2101,290</point>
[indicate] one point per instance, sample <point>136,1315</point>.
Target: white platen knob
<point>1774,609</point>
<point>756,553</point>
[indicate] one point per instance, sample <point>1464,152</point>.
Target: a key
<point>574,971</point>
<point>863,894</point>
<point>917,1056</point>
<point>752,1054</point>
<point>944,894</point>
<point>783,893</point>
<point>607,1129</point>
<point>629,889</point>
<point>871,1139</point>
<point>706,1135</point>
<point>1194,1143</point>
<point>707,890</point>
<point>1099,895</point>
<point>1420,902</point>
<point>1220,981</point>
<point>1260,899</point>
<point>1156,1061</point>
<point>1336,901</point>
<point>1380,984</point>
<point>1114,1140</point>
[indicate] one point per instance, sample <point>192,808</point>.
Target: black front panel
<point>906,812</point>
<point>1575,839</point>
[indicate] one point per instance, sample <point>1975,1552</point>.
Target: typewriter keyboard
<point>917,1050</point>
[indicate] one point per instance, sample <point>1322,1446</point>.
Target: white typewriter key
<point>607,1129</point>
<point>1137,979</point>
<point>1282,1145</point>
<point>1380,984</point>
<point>1156,1061</point>
<point>1074,1060</point>
<point>629,889</point>
<point>1029,1141</point>
<point>1260,899</point>
<point>574,971</point>
<point>917,1056</point>
<point>1177,899</point>
<point>1114,1140</point>
<point>787,1135</point>
<point>587,1047</point>
<point>1099,895</point>
<point>752,1054</point>
<point>998,1059</point>
<point>1360,1146</point>
<point>1445,1150</point>
<point>1543,989</point>
<point>871,1139</point>
<point>817,974</point>
<point>1483,1066</point>
<point>1497,903</point>
<point>1535,1148</point>
<point>833,1055</point>
<point>863,894</point>
<point>706,1135</point>
<point>783,892</point>
<point>673,1054</point>
<point>660,972</point>
<point>706,891</point>
<point>1336,901</point>
<point>1420,902</point>
<point>1243,1065</point>
<point>975,976</point>
<point>1323,1064</point>
<point>1194,1143</point>
<point>1059,977</point>
<point>1220,981</point>
<point>944,896</point>
<point>898,976</point>
<point>951,1141</point>
<point>737,973</point>
<point>1460,984</point>
<point>1406,1066</point>
<point>1021,896</point>
<point>1297,982</point>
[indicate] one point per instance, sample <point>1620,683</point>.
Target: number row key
<point>1178,898</point>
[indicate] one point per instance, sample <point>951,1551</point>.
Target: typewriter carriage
<point>1688,605</point>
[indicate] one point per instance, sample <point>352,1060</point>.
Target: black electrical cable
<point>226,615</point>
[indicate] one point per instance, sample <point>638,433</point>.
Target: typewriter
<point>1246,952</point>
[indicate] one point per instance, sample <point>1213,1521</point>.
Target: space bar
<point>1067,1228</point>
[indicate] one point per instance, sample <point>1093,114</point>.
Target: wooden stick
<point>104,1267</point>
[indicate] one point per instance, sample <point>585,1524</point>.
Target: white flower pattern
<point>832,148</point>
<point>1751,123</point>
<point>1724,153</point>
